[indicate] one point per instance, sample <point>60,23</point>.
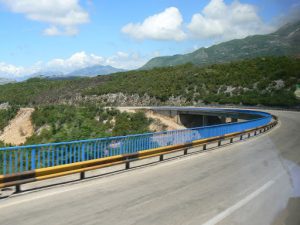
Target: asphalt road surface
<point>251,182</point>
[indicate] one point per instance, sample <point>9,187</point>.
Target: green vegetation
<point>43,91</point>
<point>2,144</point>
<point>65,123</point>
<point>59,123</point>
<point>285,41</point>
<point>267,81</point>
<point>6,115</point>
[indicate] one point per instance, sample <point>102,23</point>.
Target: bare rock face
<point>4,105</point>
<point>121,99</point>
<point>279,84</point>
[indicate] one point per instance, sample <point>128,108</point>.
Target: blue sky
<point>71,34</point>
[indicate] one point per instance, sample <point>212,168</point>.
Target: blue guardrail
<point>31,157</point>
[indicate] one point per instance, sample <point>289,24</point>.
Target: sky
<point>65,35</point>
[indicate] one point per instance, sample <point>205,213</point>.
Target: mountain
<point>285,41</point>
<point>46,74</point>
<point>6,81</point>
<point>95,70</point>
<point>90,71</point>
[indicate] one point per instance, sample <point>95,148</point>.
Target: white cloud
<point>166,25</point>
<point>11,71</point>
<point>7,70</point>
<point>52,31</point>
<point>63,17</point>
<point>223,22</point>
<point>127,60</point>
<point>76,61</point>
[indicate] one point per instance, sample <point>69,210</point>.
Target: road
<point>251,182</point>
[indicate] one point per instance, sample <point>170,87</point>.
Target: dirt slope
<point>164,120</point>
<point>19,128</point>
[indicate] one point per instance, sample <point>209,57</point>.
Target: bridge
<point>254,181</point>
<point>194,117</point>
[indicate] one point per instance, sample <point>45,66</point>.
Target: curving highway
<point>251,182</point>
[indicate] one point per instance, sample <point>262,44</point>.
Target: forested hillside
<point>267,81</point>
<point>41,90</point>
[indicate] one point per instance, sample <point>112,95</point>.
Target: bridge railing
<point>27,158</point>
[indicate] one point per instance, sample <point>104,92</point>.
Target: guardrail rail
<point>24,164</point>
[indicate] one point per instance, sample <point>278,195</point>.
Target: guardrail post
<point>204,147</point>
<point>185,151</point>
<point>82,175</point>
<point>18,188</point>
<point>127,165</point>
<point>161,158</point>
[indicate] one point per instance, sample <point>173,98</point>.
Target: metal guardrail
<point>25,158</point>
<point>25,164</point>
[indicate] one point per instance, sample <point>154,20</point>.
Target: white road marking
<point>239,204</point>
<point>216,219</point>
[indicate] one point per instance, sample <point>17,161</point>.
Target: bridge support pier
<point>204,120</point>
<point>223,119</point>
<point>234,120</point>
